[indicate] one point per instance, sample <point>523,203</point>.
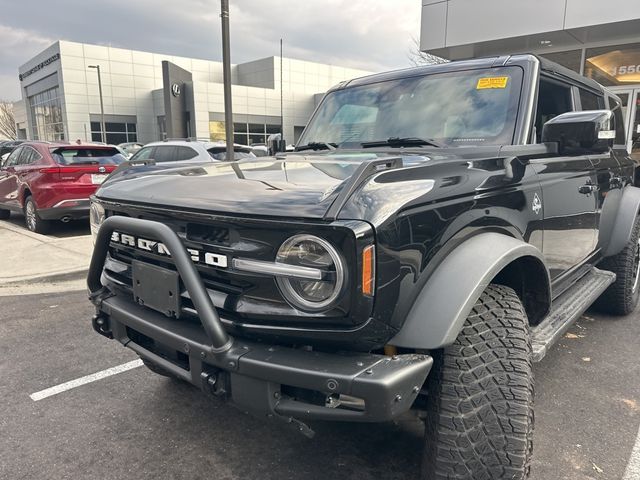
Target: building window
<point>116,132</point>
<point>46,115</point>
<point>216,131</point>
<point>615,65</point>
<point>247,129</point>
<point>570,59</point>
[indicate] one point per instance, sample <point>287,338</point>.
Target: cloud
<point>369,34</point>
<point>18,45</point>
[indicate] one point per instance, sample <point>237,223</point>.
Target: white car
<point>191,151</point>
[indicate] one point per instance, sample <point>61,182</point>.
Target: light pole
<point>102,129</point>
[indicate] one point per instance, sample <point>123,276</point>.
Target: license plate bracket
<point>98,178</point>
<point>157,288</point>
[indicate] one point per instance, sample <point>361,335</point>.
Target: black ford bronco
<point>436,231</point>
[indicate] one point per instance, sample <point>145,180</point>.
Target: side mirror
<point>579,133</point>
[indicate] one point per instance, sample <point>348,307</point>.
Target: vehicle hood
<point>302,186</point>
<point>307,186</point>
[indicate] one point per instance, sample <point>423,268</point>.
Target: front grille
<point>240,297</point>
<point>207,234</point>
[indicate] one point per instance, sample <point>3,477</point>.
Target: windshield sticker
<point>492,82</point>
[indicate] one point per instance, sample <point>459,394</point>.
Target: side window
<point>14,157</point>
<point>29,156</point>
<point>554,98</point>
<point>142,154</point>
<point>618,120</point>
<point>185,153</point>
<point>165,153</point>
<point>26,156</point>
<point>591,101</point>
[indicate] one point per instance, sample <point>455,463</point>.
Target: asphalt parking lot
<point>136,424</point>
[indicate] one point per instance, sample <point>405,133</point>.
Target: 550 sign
<point>625,70</point>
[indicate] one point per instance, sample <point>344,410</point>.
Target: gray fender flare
<point>442,306</point>
<point>618,216</point>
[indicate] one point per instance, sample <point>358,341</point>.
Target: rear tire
<point>4,214</point>
<point>156,368</point>
<point>479,423</point>
<point>32,220</point>
<point>621,298</point>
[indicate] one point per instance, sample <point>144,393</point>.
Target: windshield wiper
<point>317,146</point>
<point>402,142</point>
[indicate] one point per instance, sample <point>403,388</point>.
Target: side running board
<point>567,308</point>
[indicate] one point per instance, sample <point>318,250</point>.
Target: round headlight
<point>96,217</point>
<point>314,252</point>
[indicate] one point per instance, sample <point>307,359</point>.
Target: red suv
<point>53,181</point>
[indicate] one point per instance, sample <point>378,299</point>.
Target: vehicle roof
<point>476,63</point>
<point>61,144</point>
<point>206,144</point>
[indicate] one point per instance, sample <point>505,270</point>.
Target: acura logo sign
<point>175,89</point>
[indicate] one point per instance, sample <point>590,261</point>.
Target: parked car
<point>193,151</point>
<point>438,230</point>
<point>53,181</point>
<point>167,154</point>
<point>8,146</point>
<point>130,148</point>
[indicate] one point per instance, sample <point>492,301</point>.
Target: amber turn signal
<point>368,270</point>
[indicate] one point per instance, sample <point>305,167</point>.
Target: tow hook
<point>214,383</point>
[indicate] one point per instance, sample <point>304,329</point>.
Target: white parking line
<point>633,467</point>
<point>63,387</point>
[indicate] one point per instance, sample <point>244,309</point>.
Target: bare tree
<point>417,57</point>
<point>7,121</point>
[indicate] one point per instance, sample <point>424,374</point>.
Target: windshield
<point>79,156</point>
<point>475,107</point>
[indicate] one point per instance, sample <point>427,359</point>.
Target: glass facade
<point>615,65</point>
<point>247,132</point>
<point>252,133</point>
<point>116,132</point>
<point>46,115</point>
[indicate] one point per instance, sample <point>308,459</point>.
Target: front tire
<point>4,214</point>
<point>621,298</point>
<point>32,220</point>
<point>479,423</point>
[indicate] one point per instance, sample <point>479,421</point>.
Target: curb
<point>76,274</point>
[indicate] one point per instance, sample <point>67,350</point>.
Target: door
<point>569,202</point>
<point>569,186</point>
<point>634,126</point>
<point>630,99</point>
<point>9,180</point>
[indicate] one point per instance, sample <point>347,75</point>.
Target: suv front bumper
<point>265,379</point>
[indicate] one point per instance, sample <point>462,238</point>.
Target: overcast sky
<point>374,35</point>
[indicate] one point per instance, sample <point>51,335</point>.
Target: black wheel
<point>156,368</point>
<point>32,220</point>
<point>4,214</point>
<point>621,298</point>
<point>479,423</point>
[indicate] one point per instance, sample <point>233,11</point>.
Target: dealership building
<point>598,39</point>
<point>150,96</point>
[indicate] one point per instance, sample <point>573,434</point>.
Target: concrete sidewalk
<point>28,257</point>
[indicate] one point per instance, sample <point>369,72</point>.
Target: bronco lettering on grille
<point>198,256</point>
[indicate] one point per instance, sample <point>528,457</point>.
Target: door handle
<point>587,188</point>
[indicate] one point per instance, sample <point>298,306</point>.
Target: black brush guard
<point>254,376</point>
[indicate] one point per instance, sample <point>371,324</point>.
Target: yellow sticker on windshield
<point>492,82</point>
